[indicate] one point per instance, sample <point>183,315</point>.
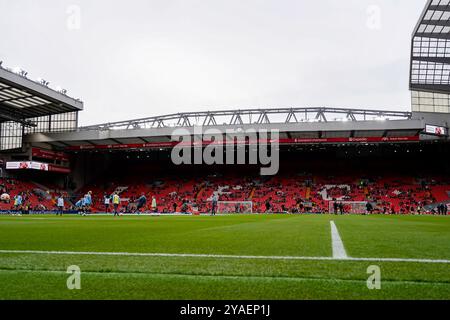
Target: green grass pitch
<point>43,275</point>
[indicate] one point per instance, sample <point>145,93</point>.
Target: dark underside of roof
<point>19,102</point>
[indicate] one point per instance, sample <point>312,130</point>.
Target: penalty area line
<point>221,256</point>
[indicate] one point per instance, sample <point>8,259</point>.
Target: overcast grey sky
<point>138,58</point>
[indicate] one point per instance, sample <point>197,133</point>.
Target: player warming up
<point>215,200</point>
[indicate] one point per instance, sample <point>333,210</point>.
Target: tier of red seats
<point>13,187</point>
<point>284,193</point>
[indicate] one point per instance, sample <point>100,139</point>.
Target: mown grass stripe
<point>220,276</point>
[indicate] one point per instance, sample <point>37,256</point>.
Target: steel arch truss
<point>253,117</point>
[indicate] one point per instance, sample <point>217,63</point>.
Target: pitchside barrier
<point>32,212</point>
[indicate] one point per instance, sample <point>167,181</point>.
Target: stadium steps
<point>121,189</point>
<point>308,193</point>
<point>252,193</point>
<point>199,193</point>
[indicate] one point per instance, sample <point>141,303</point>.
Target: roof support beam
<point>443,60</point>
<point>242,117</point>
<point>443,23</point>
<point>10,117</point>
<point>433,35</point>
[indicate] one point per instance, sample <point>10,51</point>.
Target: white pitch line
<point>337,244</point>
<point>220,256</point>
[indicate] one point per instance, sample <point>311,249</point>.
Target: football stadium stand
<point>301,193</point>
<point>383,161</point>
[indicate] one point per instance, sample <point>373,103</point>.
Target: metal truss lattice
<point>253,117</point>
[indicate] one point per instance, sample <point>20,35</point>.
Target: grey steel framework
<point>252,117</point>
<point>430,59</point>
<point>28,106</point>
<point>314,129</point>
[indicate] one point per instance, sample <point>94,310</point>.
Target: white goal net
<point>348,207</point>
<point>235,207</point>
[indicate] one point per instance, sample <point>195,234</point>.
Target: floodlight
<point>43,82</point>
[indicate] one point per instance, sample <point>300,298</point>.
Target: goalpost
<point>352,207</point>
<point>243,207</point>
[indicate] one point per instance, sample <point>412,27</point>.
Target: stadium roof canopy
<point>22,99</point>
<point>292,123</point>
<point>430,53</point>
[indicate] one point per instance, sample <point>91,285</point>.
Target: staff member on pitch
<point>116,202</point>
<point>106,201</point>
<point>154,206</point>
<point>60,204</point>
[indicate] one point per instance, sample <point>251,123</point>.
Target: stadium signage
<point>265,153</point>
<point>58,169</point>
<point>171,144</point>
<point>26,165</point>
<point>48,154</point>
<point>33,165</point>
<point>435,130</point>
